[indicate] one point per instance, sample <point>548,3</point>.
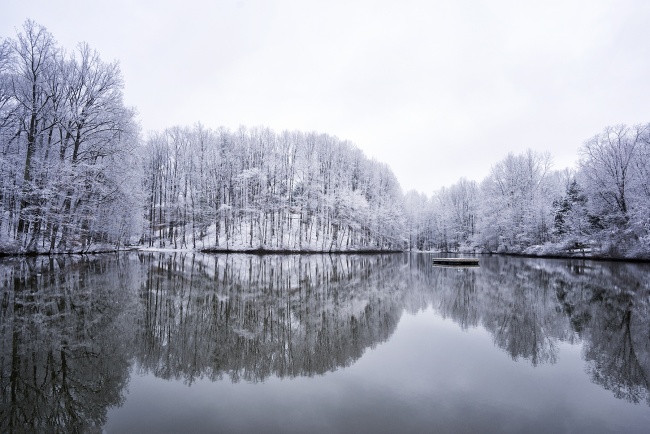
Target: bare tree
<point>35,52</point>
<point>68,146</point>
<point>608,161</point>
<point>516,209</point>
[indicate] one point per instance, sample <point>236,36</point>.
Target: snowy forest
<point>77,176</point>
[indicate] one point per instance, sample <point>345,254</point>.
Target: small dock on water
<point>456,262</point>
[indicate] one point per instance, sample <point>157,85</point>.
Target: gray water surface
<point>183,342</point>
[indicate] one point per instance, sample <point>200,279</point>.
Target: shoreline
<point>599,258</point>
<point>263,251</point>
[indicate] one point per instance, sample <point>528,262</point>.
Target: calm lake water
<point>182,342</point>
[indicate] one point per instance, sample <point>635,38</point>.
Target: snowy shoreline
<point>265,251</point>
<point>574,256</point>
<point>253,251</point>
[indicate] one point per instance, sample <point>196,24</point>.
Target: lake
<point>184,342</point>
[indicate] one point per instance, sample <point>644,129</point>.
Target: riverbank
<point>544,252</point>
<point>215,250</point>
<point>584,254</point>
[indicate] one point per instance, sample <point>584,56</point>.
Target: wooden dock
<point>456,262</point>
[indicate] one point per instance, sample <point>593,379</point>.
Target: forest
<point>77,176</point>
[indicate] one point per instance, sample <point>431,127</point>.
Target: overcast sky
<point>439,90</point>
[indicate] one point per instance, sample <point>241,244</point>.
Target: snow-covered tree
<point>614,166</point>
<point>69,148</point>
<point>256,189</point>
<point>516,209</point>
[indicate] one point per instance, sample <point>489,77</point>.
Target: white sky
<point>439,90</point>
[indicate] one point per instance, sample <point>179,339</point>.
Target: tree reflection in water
<point>529,305</point>
<point>71,328</point>
<point>514,301</point>
<point>254,316</point>
<point>609,307</point>
<point>64,327</point>
<point>306,315</point>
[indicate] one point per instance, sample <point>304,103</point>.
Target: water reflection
<point>250,317</point>
<point>530,305</point>
<point>65,353</point>
<point>71,328</point>
<point>610,310</point>
<point>514,300</point>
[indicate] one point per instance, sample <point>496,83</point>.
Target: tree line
<point>256,189</point>
<point>600,208</point>
<point>75,175</point>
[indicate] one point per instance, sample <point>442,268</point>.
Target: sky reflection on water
<point>429,377</point>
